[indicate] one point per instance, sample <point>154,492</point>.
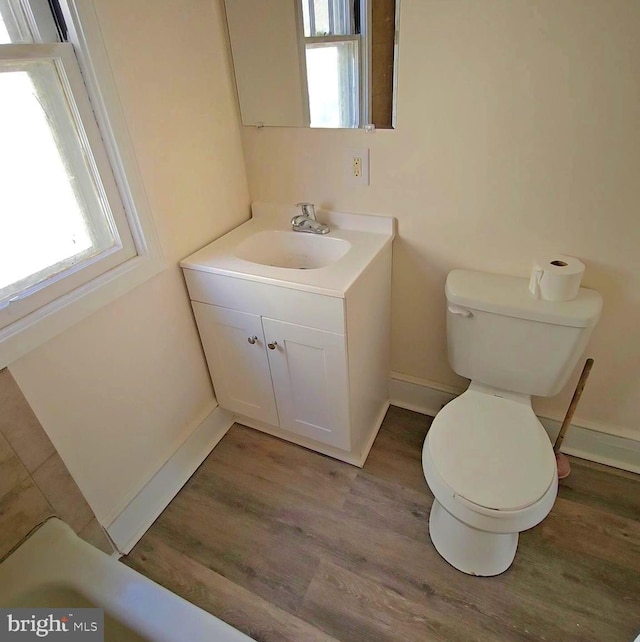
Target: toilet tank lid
<point>510,296</point>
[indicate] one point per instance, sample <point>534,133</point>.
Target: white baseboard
<point>420,396</point>
<point>601,447</point>
<point>427,398</point>
<point>131,524</point>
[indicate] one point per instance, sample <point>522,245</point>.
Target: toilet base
<point>468,549</point>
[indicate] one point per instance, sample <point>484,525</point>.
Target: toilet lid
<point>492,451</point>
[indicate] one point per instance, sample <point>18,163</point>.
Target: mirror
<point>314,63</point>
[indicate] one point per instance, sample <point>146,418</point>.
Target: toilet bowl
<point>491,468</point>
<point>486,457</point>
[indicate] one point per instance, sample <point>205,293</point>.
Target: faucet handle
<point>308,210</point>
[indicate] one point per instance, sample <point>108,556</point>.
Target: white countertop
<point>368,236</point>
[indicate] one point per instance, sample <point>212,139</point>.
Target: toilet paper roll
<point>556,277</point>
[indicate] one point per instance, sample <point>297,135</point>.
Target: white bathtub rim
<point>55,555</point>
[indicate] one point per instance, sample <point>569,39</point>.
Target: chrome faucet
<point>306,221</point>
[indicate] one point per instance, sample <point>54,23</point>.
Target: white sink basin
<point>266,250</point>
<point>294,250</point>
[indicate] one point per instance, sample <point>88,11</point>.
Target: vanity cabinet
<point>302,354</point>
<point>234,346</point>
<point>280,373</point>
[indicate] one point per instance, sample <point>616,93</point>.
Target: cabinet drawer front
<point>309,372</point>
<point>234,345</point>
<point>294,306</point>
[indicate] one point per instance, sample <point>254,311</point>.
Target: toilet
<point>487,458</point>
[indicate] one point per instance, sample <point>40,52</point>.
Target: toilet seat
<point>492,452</point>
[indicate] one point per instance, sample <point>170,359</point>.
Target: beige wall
<point>518,133</point>
<point>120,391</point>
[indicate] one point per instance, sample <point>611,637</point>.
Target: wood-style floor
<point>289,545</point>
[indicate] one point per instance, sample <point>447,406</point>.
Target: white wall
<point>518,133</point>
<point>121,390</point>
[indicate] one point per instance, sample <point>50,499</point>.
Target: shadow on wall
<point>418,285</point>
<point>607,387</point>
<point>34,482</point>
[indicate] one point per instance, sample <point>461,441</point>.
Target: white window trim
<point>45,323</point>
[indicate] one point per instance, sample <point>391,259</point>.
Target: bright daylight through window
<point>334,57</point>
<point>63,224</point>
<point>58,224</point>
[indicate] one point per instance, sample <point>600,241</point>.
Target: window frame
<point>93,174</point>
<point>68,308</point>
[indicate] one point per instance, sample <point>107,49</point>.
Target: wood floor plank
<point>317,476</point>
<point>397,452</point>
<point>235,541</point>
<point>523,597</point>
<point>593,532</point>
<point>258,618</point>
<point>390,505</point>
<point>410,568</point>
<point>603,487</point>
<point>354,609</point>
<point>348,552</point>
<point>572,542</point>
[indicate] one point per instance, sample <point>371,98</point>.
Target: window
<point>335,59</point>
<point>69,225</point>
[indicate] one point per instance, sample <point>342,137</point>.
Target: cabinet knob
<point>252,340</point>
<point>272,345</point>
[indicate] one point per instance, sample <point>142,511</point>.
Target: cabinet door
<point>239,368</point>
<point>309,373</point>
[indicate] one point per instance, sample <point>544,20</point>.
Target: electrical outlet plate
<point>357,166</point>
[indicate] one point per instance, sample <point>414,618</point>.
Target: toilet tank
<point>500,335</point>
